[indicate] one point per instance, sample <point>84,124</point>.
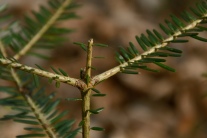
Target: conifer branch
<point>36,110</point>
<point>71,81</point>
<point>41,32</point>
<point>86,94</point>
<point>107,74</point>
<point>153,46</point>
<point>42,119</point>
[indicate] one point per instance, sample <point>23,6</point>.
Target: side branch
<point>45,123</point>
<point>36,110</point>
<point>71,81</point>
<point>41,32</point>
<point>107,74</point>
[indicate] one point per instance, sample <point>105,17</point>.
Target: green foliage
<point>40,31</point>
<point>31,104</point>
<point>97,129</point>
<point>38,110</point>
<point>155,46</point>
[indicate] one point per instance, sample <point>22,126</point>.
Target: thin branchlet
<point>36,110</point>
<point>65,79</point>
<point>42,31</point>
<point>86,93</point>
<point>107,74</point>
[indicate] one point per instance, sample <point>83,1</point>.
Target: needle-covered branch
<point>71,81</point>
<point>165,42</point>
<point>36,109</point>
<point>86,94</point>
<point>42,31</point>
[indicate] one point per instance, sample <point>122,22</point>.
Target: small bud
<point>82,73</point>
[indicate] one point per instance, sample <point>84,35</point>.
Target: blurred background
<point>148,105</point>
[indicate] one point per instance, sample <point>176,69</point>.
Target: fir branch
<point>150,45</point>
<point>107,74</point>
<point>59,78</point>
<point>36,110</point>
<point>46,125</point>
<point>86,94</point>
<point>41,32</point>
